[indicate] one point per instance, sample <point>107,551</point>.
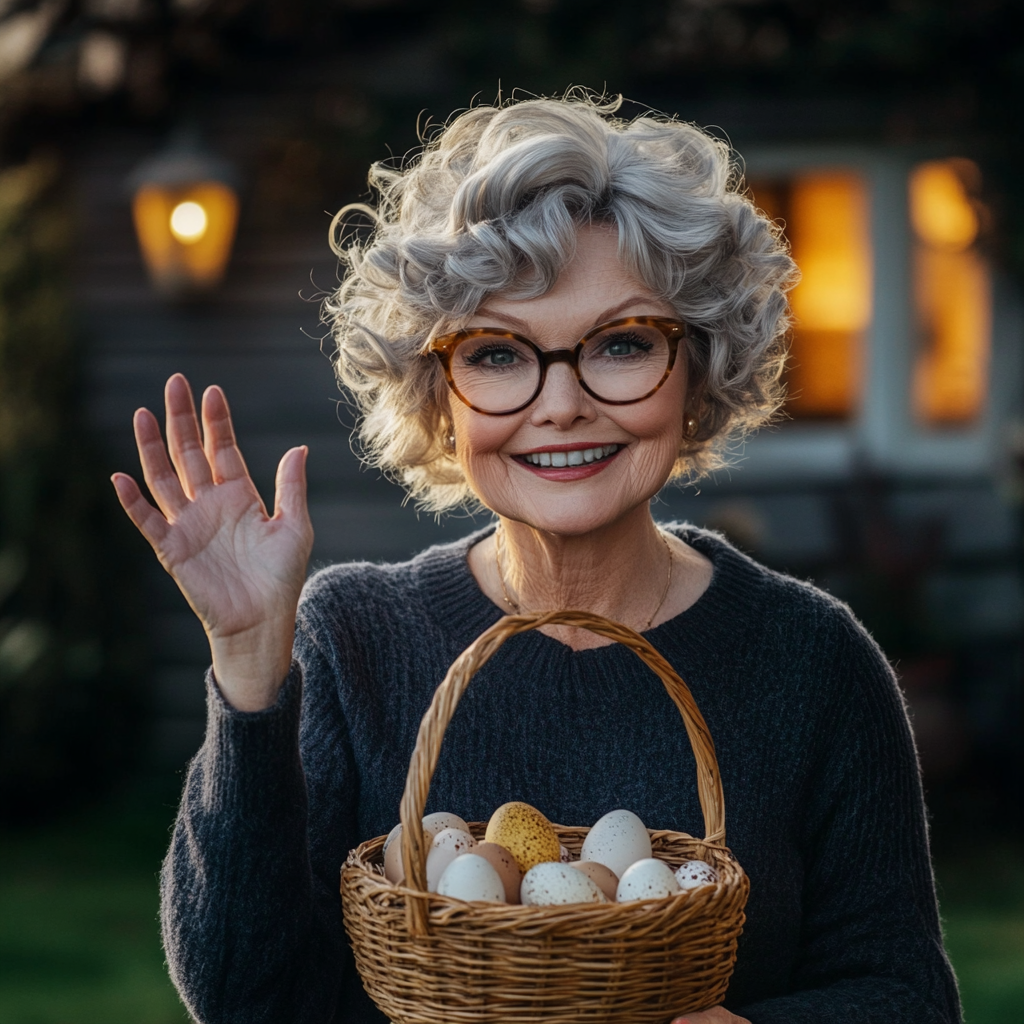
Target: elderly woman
<point>556,314</point>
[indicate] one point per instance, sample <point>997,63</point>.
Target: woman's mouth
<point>569,463</point>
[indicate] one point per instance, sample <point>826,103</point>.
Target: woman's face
<point>575,499</point>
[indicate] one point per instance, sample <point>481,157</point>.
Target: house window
<point>826,218</point>
<point>952,295</point>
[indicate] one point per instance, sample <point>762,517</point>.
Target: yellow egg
<point>525,833</point>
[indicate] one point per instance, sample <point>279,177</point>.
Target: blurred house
<point>895,478</point>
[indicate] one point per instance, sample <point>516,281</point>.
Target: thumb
<point>290,486</point>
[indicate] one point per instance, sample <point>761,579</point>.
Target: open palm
<point>240,569</point>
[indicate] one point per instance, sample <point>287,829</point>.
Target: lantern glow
<point>185,210</point>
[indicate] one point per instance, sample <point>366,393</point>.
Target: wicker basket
<point>428,959</point>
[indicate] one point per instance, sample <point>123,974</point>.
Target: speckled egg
<point>440,820</point>
<point>692,874</point>
<point>457,839</point>
<point>470,878</point>
<point>647,879</point>
<point>550,884</point>
<point>564,856</point>
<point>617,840</point>
<point>525,833</point>
<point>604,878</point>
<point>505,864</point>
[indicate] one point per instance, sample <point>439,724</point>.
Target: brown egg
<point>394,869</point>
<point>604,878</point>
<point>505,864</point>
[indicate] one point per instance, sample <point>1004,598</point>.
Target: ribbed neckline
<point>453,598</point>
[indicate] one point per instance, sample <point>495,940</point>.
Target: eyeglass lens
<point>495,373</point>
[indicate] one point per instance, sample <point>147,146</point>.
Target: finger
<point>157,471</point>
<point>290,487</point>
<point>147,519</point>
<point>219,442</point>
<point>183,436</point>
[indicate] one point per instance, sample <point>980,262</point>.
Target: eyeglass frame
<point>444,347</point>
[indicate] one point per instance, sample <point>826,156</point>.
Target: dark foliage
<point>70,645</point>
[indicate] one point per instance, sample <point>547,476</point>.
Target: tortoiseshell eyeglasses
<point>498,372</point>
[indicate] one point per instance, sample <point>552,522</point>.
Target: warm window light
<point>185,211</point>
<point>952,295</point>
<point>826,217</point>
<point>188,222</point>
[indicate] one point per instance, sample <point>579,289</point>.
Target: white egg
<point>440,820</point>
<point>438,859</point>
<point>692,874</point>
<point>471,878</point>
<point>552,883</point>
<point>564,856</point>
<point>648,879</point>
<point>617,840</point>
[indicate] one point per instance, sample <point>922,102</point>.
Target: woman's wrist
<point>251,666</point>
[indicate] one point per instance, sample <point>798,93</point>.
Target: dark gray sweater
<point>823,798</point>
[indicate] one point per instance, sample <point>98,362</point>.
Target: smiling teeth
<point>559,460</point>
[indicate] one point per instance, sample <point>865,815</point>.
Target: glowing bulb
<point>188,222</point>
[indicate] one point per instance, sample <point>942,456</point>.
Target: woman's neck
<point>628,571</point>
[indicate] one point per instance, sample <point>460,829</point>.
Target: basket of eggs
<point>519,919</point>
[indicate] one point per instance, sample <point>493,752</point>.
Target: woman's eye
<point>492,355</point>
<point>625,345</point>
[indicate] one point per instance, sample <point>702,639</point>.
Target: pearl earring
<point>691,426</point>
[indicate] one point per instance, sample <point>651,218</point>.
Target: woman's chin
<point>569,517</point>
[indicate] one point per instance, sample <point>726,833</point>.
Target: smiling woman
<point>556,313</point>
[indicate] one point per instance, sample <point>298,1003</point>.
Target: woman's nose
<point>562,401</point>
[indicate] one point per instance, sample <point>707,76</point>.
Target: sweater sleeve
<point>871,944</point>
<point>251,931</point>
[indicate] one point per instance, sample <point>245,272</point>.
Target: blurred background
<point>168,171</point>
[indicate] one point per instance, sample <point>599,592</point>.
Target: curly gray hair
<point>493,204</point>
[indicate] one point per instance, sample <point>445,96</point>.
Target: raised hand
<point>240,569</point>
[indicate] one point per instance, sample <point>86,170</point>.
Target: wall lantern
<point>185,208</point>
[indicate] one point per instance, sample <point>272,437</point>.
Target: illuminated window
<point>952,295</point>
<point>825,214</point>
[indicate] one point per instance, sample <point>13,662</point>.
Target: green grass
<point>80,944</point>
<point>79,937</point>
<point>982,900</point>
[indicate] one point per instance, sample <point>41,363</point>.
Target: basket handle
<point>446,699</point>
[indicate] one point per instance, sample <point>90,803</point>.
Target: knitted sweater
<point>822,792</point>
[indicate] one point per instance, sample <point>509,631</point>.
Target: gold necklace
<point>499,543</point>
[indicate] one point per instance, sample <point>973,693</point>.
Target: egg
<point>604,878</point>
<point>470,878</point>
<point>505,864</point>
<point>617,840</point>
<point>647,879</point>
<point>394,869</point>
<point>456,839</point>
<point>440,820</point>
<point>692,874</point>
<point>550,883</point>
<point>392,835</point>
<point>525,833</point>
<point>438,859</point>
<point>564,856</point>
